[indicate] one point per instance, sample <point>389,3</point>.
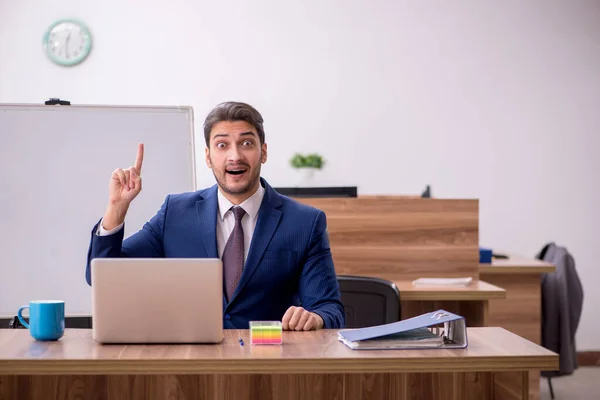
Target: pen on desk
<point>241,342</point>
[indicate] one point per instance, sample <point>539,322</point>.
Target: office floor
<point>584,384</point>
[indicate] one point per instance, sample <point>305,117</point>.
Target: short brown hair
<point>234,111</point>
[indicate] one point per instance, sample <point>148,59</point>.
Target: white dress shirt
<point>225,220</point>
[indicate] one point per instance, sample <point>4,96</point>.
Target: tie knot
<point>238,213</point>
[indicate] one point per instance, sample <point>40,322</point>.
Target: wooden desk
<point>516,265</point>
<point>311,365</point>
<point>471,302</point>
<point>521,311</point>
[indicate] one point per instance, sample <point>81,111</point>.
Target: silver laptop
<point>157,300</point>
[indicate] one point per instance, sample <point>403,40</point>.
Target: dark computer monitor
<point>340,191</point>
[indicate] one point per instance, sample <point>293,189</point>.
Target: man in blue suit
<point>277,263</point>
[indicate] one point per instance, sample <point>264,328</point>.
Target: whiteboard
<point>55,166</point>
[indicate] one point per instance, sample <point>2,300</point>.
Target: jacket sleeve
<point>147,242</point>
<point>318,287</point>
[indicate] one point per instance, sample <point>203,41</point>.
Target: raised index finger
<point>139,158</point>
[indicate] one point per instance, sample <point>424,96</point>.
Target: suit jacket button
<point>227,317</point>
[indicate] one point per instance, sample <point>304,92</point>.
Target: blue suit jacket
<point>289,261</point>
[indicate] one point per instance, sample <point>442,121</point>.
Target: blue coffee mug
<point>46,319</point>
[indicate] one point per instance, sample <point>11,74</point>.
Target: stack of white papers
<point>417,338</point>
<point>443,281</point>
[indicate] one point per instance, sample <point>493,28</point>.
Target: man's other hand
<point>298,319</point>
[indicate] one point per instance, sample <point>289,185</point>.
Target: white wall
<point>492,100</point>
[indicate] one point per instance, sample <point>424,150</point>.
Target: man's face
<point>235,155</point>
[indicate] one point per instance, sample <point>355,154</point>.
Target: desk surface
<point>516,265</point>
<point>477,290</point>
<point>302,352</point>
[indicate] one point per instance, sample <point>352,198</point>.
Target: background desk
<point>472,302</point>
<point>311,365</point>
<point>521,311</point>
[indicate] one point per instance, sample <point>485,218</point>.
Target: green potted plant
<point>312,160</point>
<point>307,164</point>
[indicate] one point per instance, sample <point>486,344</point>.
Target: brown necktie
<point>233,255</point>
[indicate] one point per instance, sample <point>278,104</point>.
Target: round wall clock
<point>67,42</point>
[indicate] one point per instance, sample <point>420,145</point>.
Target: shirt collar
<point>251,205</point>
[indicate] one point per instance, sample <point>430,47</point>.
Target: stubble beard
<point>244,189</point>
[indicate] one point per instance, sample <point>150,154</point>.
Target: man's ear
<point>263,155</point>
<point>207,155</point>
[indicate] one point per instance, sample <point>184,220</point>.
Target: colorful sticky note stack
<point>266,332</point>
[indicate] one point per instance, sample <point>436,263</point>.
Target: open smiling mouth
<point>236,171</point>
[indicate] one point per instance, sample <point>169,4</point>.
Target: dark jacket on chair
<point>562,301</point>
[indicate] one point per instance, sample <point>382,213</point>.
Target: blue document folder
<point>435,330</point>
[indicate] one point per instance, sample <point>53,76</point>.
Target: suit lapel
<point>207,221</point>
<point>268,220</point>
<point>206,208</point>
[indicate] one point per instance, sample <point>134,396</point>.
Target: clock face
<point>67,42</point>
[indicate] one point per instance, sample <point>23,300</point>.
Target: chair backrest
<point>369,301</point>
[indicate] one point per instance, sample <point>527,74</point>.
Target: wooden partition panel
<point>399,238</point>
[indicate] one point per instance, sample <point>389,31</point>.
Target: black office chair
<point>562,304</point>
<point>369,301</point>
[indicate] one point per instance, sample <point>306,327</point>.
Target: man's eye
<point>247,143</point>
<point>220,145</point>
